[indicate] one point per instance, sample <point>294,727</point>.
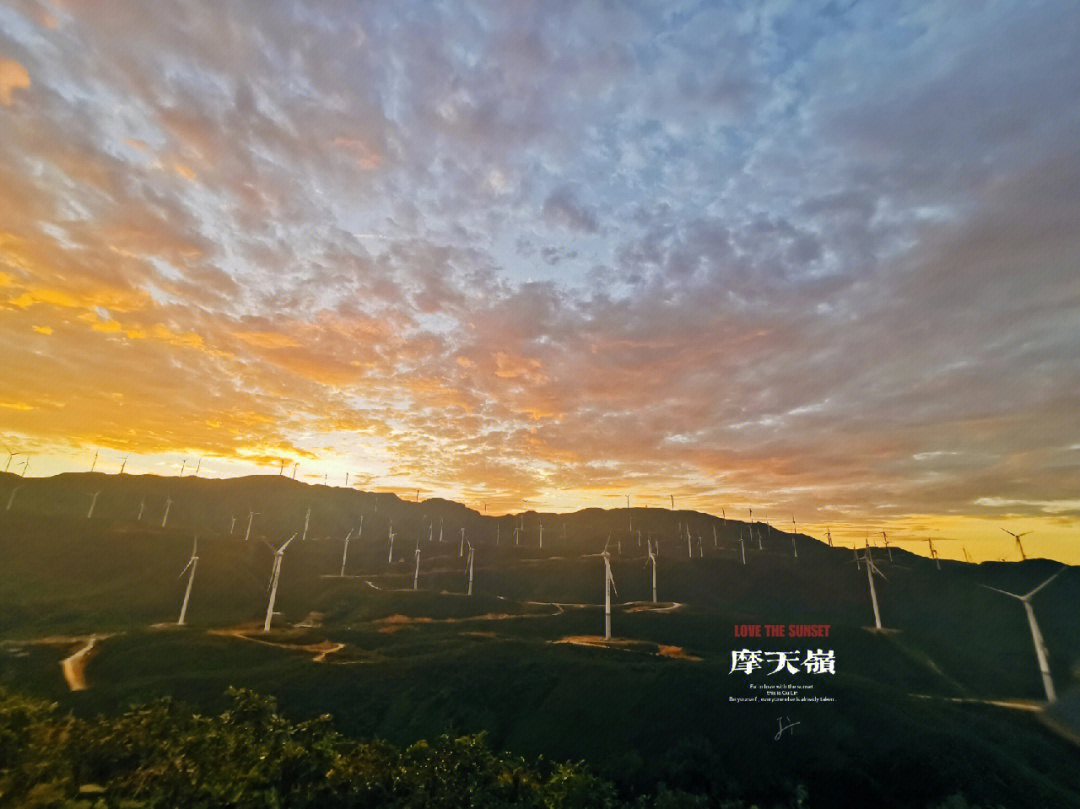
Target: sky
<point>815,259</point>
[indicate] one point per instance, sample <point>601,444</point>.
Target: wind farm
<point>339,614</point>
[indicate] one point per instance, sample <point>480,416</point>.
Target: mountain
<point>944,700</point>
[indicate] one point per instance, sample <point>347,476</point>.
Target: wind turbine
<point>416,572</point>
<point>390,557</point>
<point>94,462</point>
<point>11,499</point>
<point>652,560</point>
<point>871,569</point>
<point>192,563</point>
<point>9,457</point>
<point>275,577</point>
<point>934,554</point>
<point>714,540</point>
<point>281,471</point>
<point>307,521</point>
<point>123,463</point>
<point>93,503</point>
<point>470,568</point>
<point>25,466</point>
<point>609,585</point>
<point>672,502</point>
<point>1036,635</point>
<point>168,505</point>
<point>296,464</point>
<point>742,545</point>
<point>345,553</point>
<point>183,466</point>
<point>198,466</point>
<point>689,547</point>
<point>795,530</point>
<point>251,516</point>
<point>440,529</point>
<point>541,535</point>
<point>142,507</point>
<point>828,536</point>
<point>232,524</point>
<point>1019,544</point>
<point>461,544</point>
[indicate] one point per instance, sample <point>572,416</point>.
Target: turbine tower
<point>93,502</point>
<point>742,545</point>
<point>1036,635</point>
<point>609,585</point>
<point>192,563</point>
<point>251,516</point>
<point>307,521</point>
<point>795,530</point>
<point>94,462</point>
<point>168,505</point>
<point>887,546</point>
<point>461,544</point>
<point>390,557</point>
<point>11,499</point>
<point>871,569</point>
<point>470,568</point>
<point>652,561</point>
<point>142,507</point>
<point>1019,544</point>
<point>275,577</point>
<point>345,553</point>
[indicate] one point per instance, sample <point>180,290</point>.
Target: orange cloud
<point>13,76</point>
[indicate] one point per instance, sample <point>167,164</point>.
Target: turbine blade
<point>1033,592</point>
<point>185,570</point>
<point>1003,592</point>
<point>287,541</point>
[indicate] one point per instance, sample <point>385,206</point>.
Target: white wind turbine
<point>192,563</point>
<point>461,544</point>
<point>470,568</point>
<point>345,553</point>
<point>142,507</point>
<point>541,535</point>
<point>25,467</point>
<point>307,521</point>
<point>390,557</point>
<point>887,546</point>
<point>689,546</point>
<point>742,545</point>
<point>828,536</point>
<point>871,569</point>
<point>652,561</point>
<point>1036,635</point>
<point>715,541</point>
<point>11,498</point>
<point>794,531</point>
<point>609,585</point>
<point>251,516</point>
<point>275,577</point>
<point>93,502</point>
<point>232,524</point>
<point>168,505</point>
<point>1019,544</point>
<point>440,529</point>
<point>416,572</point>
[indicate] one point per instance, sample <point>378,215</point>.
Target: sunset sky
<point>818,259</point>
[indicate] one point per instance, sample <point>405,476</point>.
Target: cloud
<point>13,76</point>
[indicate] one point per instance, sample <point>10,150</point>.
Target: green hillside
<point>908,724</point>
